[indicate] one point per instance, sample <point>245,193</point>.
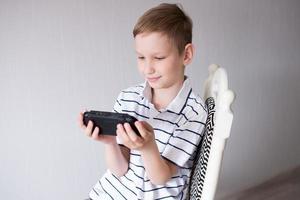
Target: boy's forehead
<point>154,42</point>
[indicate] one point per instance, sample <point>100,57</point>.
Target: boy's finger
<point>121,132</point>
<point>131,134</point>
<point>81,113</point>
<point>140,127</point>
<point>89,128</point>
<point>146,125</point>
<point>95,133</point>
<point>80,121</point>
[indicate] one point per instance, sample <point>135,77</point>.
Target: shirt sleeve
<point>184,141</point>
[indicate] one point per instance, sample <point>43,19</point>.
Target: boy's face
<point>158,60</point>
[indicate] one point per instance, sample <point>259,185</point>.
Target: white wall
<point>58,57</point>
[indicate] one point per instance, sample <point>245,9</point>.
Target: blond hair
<point>167,19</point>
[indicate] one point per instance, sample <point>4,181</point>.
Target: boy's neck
<point>161,98</point>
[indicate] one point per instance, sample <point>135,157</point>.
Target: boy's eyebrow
<point>153,53</point>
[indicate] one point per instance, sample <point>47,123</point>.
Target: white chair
<point>218,99</point>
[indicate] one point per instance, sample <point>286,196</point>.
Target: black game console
<point>107,121</point>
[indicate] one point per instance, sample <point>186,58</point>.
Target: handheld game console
<point>107,121</point>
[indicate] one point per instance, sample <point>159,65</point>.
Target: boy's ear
<point>188,53</point>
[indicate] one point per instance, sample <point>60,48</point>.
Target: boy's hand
<point>95,134</point>
<point>132,140</point>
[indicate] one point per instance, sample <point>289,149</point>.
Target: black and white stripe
<point>202,156</point>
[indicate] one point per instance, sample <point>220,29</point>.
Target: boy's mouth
<point>153,79</point>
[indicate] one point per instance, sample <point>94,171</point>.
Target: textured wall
<point>58,57</point>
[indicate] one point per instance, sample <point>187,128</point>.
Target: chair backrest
<point>218,98</point>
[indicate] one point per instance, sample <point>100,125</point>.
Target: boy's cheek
<point>141,70</point>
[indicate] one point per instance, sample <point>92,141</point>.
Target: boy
<point>171,117</point>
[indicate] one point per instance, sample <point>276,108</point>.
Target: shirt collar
<point>178,103</point>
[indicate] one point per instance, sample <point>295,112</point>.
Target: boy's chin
<point>155,85</point>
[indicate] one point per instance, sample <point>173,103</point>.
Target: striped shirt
<point>178,130</point>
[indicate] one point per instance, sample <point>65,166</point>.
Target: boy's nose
<point>149,69</point>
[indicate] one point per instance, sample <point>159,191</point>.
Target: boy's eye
<point>159,58</point>
<point>141,57</point>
